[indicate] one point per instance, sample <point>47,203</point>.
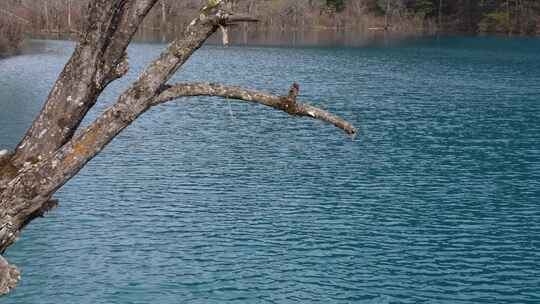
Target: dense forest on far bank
<point>509,17</point>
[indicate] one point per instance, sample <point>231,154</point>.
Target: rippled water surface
<point>206,201</point>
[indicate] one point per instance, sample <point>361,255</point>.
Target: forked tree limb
<point>52,152</point>
<point>287,104</point>
<point>32,187</point>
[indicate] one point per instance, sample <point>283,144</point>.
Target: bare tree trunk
<point>52,152</point>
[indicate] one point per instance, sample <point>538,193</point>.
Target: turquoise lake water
<point>205,201</point>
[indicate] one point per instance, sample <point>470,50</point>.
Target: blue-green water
<point>202,201</point>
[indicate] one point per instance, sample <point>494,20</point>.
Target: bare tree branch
<point>33,185</point>
<point>109,28</point>
<point>287,104</point>
<point>51,153</point>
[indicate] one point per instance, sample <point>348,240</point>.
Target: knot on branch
<point>289,104</point>
<point>226,19</point>
<point>218,16</point>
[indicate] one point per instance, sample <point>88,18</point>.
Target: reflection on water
<point>244,36</point>
<point>295,38</point>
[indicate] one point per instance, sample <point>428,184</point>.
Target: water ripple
<point>435,203</point>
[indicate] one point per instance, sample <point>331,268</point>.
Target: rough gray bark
<point>287,104</point>
<point>99,58</point>
<point>52,152</point>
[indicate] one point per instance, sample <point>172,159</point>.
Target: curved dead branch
<point>284,103</point>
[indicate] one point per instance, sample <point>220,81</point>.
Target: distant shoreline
<point>327,38</point>
<point>291,21</point>
<point>321,37</point>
